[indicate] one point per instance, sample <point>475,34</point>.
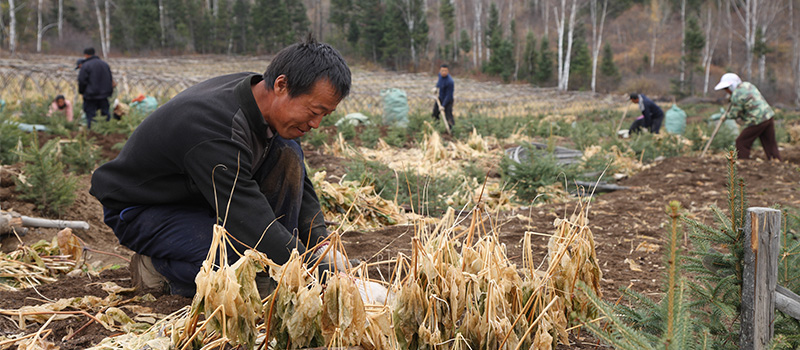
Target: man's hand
<point>333,257</point>
<point>435,90</point>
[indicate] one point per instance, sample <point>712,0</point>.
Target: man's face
<point>635,100</point>
<point>444,71</point>
<point>294,117</point>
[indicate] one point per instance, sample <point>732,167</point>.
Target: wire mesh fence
<point>43,77</point>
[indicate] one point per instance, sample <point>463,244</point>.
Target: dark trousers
<point>639,124</point>
<point>765,131</point>
<point>448,113</point>
<point>90,107</point>
<point>177,236</point>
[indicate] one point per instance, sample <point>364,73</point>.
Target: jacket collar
<point>249,107</point>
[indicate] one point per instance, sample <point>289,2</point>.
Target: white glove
<point>434,90</point>
<point>333,257</point>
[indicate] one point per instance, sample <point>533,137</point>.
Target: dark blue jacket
<point>94,79</point>
<point>445,85</point>
<point>650,111</point>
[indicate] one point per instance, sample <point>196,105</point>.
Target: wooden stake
<point>759,277</point>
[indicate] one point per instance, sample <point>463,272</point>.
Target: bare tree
<point>12,27</point>
<point>477,34</point>
<point>747,12</point>
<point>683,43</point>
<point>769,12</point>
<point>564,58</point>
<point>161,22</point>
<point>659,12</point>
<point>101,25</point>
<point>39,29</point>
<point>712,36</point>
<point>60,19</point>
<point>795,53</point>
<point>597,37</point>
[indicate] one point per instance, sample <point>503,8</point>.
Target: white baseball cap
<point>730,80</point>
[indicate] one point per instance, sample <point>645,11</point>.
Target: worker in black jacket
<point>96,85</point>
<point>652,115</point>
<point>224,151</point>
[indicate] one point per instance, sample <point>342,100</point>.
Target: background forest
<point>666,48</point>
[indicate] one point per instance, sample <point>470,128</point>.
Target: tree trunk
<point>478,33</point>
<point>597,38</point>
<point>568,57</point>
<point>560,30</point>
<point>546,17</point>
<point>60,19</point>
<point>730,34</point>
<point>12,27</point>
<point>161,23</point>
<point>712,36</point>
<point>107,39</point>
<point>100,25</point>
<point>795,54</point>
<point>683,44</point>
<point>39,26</point>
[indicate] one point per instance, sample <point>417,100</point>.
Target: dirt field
<point>620,221</point>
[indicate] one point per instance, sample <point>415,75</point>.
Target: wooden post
<point>760,276</point>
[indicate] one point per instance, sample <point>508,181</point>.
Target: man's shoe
<point>145,276</point>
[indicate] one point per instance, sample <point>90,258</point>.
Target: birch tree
<point>683,44</point>
<point>477,34</point>
<point>712,36</point>
<point>12,27</point>
<point>770,10</point>
<point>659,12</point>
<point>597,37</point>
<point>60,19</point>
<point>747,12</point>
<point>162,23</point>
<point>104,26</point>
<point>564,57</point>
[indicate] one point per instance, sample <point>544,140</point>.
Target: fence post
<point>759,278</point>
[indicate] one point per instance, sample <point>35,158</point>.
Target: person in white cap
<point>749,105</point>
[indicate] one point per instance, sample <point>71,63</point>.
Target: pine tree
<point>609,73</point>
<point>493,32</point>
<point>370,14</point>
<point>544,65</point>
<point>464,43</point>
<point>527,68</point>
<point>607,66</point>
<point>581,64</point>
<point>46,184</point>
<point>695,41</point>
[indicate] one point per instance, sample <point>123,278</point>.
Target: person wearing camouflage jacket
<point>749,105</point>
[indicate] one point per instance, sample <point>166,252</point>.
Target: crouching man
<point>224,150</point>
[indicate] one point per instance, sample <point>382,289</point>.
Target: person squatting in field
<point>230,138</point>
<point>61,106</point>
<point>652,115</point>
<point>749,105</point>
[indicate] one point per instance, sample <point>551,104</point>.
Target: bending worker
<point>749,105</point>
<point>652,115</point>
<point>225,150</point>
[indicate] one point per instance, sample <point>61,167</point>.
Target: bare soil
<point>620,221</point>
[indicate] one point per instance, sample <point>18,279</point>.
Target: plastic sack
<point>395,107</point>
<point>146,105</point>
<point>675,120</point>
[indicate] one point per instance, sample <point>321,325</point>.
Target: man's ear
<point>280,86</point>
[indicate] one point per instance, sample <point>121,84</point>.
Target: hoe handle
<point>716,129</point>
